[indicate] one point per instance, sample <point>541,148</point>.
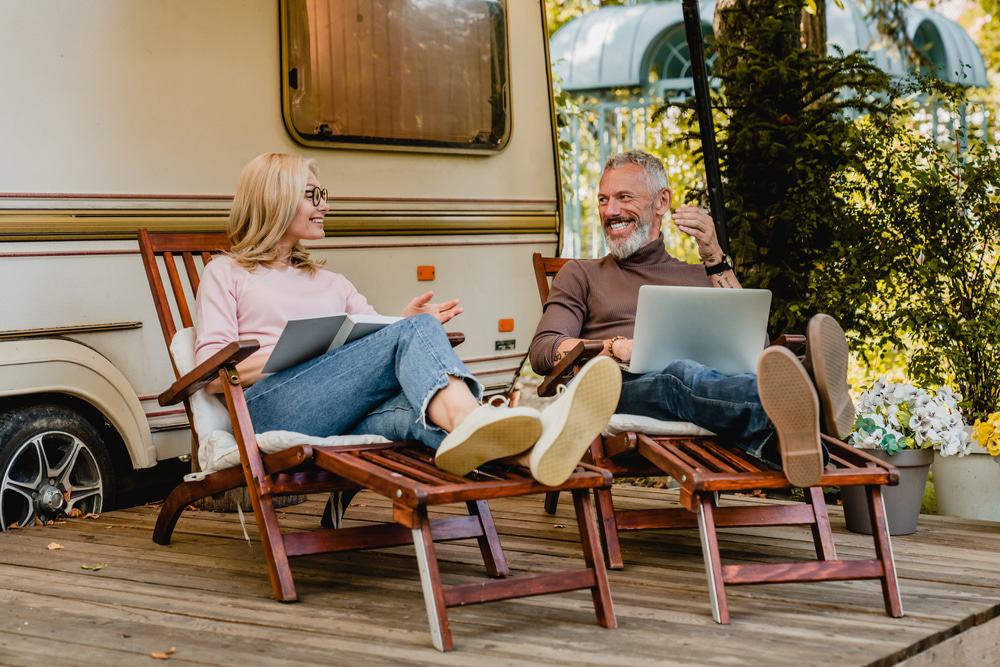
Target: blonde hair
<point>268,196</point>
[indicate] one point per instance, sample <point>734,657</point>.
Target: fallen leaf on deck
<point>75,513</point>
<point>38,522</point>
<point>53,546</point>
<point>95,567</point>
<point>91,515</point>
<point>50,522</point>
<point>14,526</point>
<point>558,525</point>
<point>163,655</point>
<point>192,508</point>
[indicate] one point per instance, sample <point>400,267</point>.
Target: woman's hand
<point>442,311</point>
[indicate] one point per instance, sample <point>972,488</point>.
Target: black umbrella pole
<point>706,128</point>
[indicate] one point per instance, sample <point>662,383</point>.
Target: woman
<point>402,382</point>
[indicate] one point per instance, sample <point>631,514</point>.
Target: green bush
<point>928,214</point>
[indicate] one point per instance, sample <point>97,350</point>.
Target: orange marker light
<point>505,325</point>
<point>425,272</point>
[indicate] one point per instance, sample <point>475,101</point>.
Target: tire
<point>52,461</point>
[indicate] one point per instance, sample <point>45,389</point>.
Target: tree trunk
<point>813,29</point>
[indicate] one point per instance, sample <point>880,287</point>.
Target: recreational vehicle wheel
<point>53,462</point>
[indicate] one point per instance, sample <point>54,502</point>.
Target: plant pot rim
<point>905,458</point>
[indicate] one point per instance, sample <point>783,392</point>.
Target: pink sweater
<point>234,303</point>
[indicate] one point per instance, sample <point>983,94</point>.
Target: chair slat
<point>734,458</point>
<point>711,461</point>
<point>402,468</point>
<point>178,287</point>
<point>192,271</point>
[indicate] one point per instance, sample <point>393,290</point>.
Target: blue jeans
<point>727,405</point>
<point>380,384</point>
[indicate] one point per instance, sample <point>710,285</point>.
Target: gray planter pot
<point>902,502</point>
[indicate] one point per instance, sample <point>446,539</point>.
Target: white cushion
<point>650,426</point>
<point>217,447</point>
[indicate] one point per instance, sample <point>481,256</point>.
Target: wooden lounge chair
<point>403,472</point>
<point>703,468</point>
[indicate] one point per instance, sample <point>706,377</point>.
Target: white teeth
<point>618,225</point>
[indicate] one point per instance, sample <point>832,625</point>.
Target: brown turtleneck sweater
<point>595,299</point>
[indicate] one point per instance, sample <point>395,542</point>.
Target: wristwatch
<point>721,267</point>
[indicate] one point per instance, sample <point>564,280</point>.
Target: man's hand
<point>622,349</point>
<point>442,311</point>
<point>695,222</point>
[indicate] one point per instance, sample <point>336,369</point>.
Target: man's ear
<point>662,201</point>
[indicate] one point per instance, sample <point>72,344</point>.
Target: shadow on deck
<point>207,595</point>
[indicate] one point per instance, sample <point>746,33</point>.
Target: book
<point>302,340</point>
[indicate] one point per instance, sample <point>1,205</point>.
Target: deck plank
<point>206,594</point>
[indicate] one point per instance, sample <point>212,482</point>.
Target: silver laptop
<point>725,329</point>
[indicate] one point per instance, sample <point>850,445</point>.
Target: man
<point>596,300</point>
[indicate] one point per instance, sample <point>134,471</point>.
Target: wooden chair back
<point>176,259</point>
<point>546,268</point>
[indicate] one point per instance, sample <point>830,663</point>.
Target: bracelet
<point>721,267</point>
<point>611,348</point>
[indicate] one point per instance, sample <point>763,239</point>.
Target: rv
<point>433,128</point>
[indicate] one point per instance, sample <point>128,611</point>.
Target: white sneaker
<point>487,434</point>
<point>574,419</point>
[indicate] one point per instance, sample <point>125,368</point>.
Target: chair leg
<point>601,592</point>
<point>551,502</point>
<point>609,529</point>
<point>883,550</point>
<point>186,493</point>
<point>489,543</point>
<point>170,513</point>
<point>822,534</point>
<point>430,582</point>
<point>713,560</point>
<point>273,545</point>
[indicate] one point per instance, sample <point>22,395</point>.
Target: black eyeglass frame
<point>318,195</point>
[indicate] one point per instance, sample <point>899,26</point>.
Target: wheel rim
<point>50,475</point>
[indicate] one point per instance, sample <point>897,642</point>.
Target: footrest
<point>408,476</point>
<point>704,465</point>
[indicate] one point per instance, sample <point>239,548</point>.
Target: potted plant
<point>903,425</point>
<point>970,486</point>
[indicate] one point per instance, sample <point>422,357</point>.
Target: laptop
<point>725,329</point>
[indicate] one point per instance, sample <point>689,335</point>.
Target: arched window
<point>928,43</point>
<point>667,65</point>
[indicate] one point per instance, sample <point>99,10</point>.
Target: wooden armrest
<point>794,342</point>
<point>563,371</point>
<point>208,370</point>
<point>456,338</point>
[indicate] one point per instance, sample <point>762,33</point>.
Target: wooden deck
<point>206,595</point>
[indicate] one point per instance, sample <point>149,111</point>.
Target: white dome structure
<point>643,46</point>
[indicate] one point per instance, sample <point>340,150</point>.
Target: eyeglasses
<point>318,195</point>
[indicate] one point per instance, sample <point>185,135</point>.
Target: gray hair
<point>656,176</point>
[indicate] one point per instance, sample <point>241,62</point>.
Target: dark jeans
<point>727,405</point>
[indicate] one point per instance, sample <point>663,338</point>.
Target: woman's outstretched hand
<point>442,311</point>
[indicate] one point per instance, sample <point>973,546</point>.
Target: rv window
<point>430,74</point>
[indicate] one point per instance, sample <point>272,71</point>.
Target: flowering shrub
<point>894,416</point>
<point>987,433</point>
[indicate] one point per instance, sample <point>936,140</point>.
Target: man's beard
<point>628,247</point>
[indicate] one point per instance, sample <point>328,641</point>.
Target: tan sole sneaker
<point>574,419</point>
<point>827,355</point>
<point>488,434</point>
<point>789,399</point>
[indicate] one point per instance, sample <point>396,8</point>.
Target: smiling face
<point>630,213</point>
<point>308,221</point>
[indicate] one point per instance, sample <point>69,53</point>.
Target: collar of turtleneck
<point>651,253</point>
